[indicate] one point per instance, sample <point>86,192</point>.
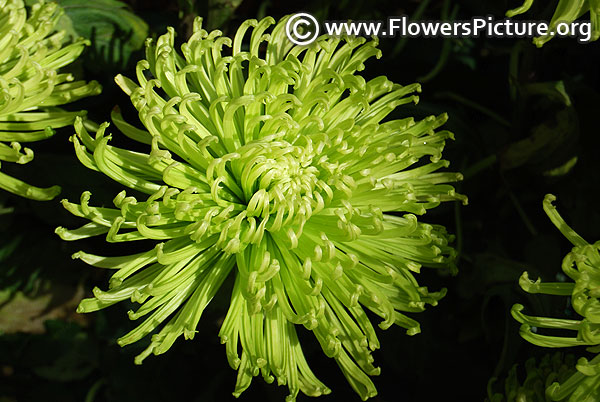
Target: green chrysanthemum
<point>566,11</point>
<point>31,52</point>
<point>271,162</point>
<point>582,265</point>
<point>552,368</point>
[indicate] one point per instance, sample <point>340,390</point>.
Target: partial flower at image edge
<point>32,52</point>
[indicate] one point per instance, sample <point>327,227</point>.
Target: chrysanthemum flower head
<point>582,265</point>
<point>270,163</point>
<point>31,53</point>
<point>567,11</point>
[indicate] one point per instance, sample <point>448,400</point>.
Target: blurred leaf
<point>221,11</point>
<point>186,6</point>
<point>463,49</point>
<point>69,352</point>
<point>4,295</point>
<point>545,139</point>
<point>552,90</point>
<point>7,248</point>
<point>4,210</point>
<point>22,314</point>
<point>28,314</point>
<point>67,367</point>
<point>562,169</point>
<point>115,31</point>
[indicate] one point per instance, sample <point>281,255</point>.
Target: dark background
<point>508,137</point>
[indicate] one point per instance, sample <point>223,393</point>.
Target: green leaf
<point>115,31</point>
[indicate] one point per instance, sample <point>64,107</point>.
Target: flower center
<point>278,181</point>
